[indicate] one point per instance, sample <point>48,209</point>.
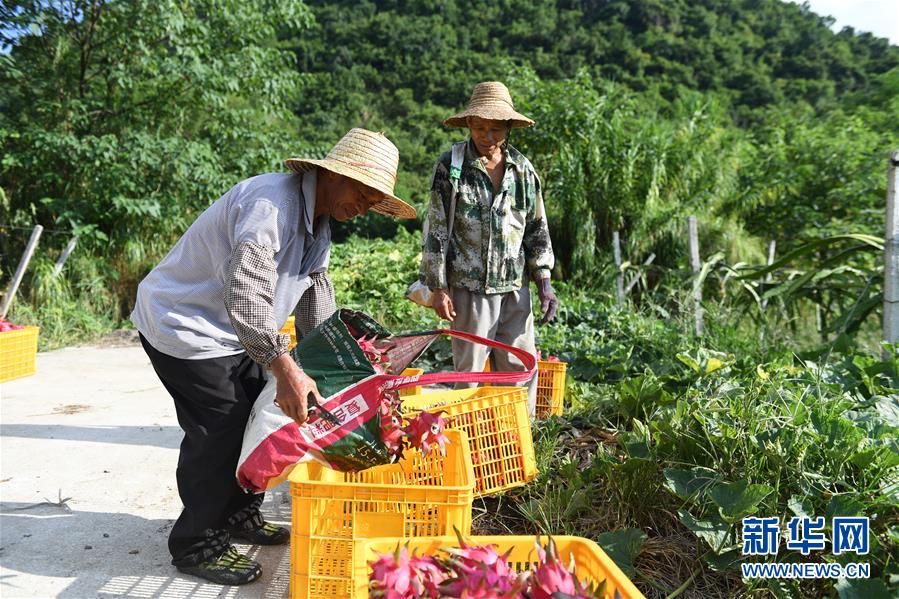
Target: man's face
<point>350,198</point>
<point>488,136</point>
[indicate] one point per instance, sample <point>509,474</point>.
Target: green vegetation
<point>121,121</point>
<point>669,440</point>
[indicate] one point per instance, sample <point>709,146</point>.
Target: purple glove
<point>548,301</point>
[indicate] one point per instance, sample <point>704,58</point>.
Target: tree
<point>122,119</point>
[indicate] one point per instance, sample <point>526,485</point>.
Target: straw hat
<point>490,100</point>
<point>369,158</point>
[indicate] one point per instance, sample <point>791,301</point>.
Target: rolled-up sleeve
<point>538,249</point>
<point>249,300</point>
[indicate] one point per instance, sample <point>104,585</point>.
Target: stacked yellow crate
<point>550,388</point>
<point>495,419</point>
<point>18,353</point>
<point>289,328</point>
<point>416,497</point>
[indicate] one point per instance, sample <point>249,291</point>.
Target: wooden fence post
<point>57,268</point>
<point>636,277</point>
<point>696,265</point>
<point>619,277</point>
<point>891,257</point>
<point>772,245</point>
<point>20,271</point>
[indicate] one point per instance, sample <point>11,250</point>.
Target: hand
<point>548,302</point>
<point>293,385</point>
<point>443,304</point>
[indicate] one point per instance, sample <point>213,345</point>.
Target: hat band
<point>485,102</point>
<point>371,165</point>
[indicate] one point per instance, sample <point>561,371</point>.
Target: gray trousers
<point>503,317</point>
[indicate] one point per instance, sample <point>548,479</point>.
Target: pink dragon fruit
<point>426,430</point>
<point>430,573</point>
<point>377,357</point>
<point>548,358</point>
<point>399,575</point>
<point>551,580</point>
<point>393,576</point>
<point>479,572</point>
<point>392,432</point>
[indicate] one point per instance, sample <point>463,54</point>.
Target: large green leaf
<point>844,505</point>
<point>800,506</point>
<point>738,499</point>
<point>713,530</point>
<point>868,242</point>
<point>623,546</point>
<point>687,483</point>
<point>723,562</point>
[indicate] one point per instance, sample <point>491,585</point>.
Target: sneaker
<point>230,568</point>
<point>266,534</point>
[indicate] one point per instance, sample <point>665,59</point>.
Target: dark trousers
<point>213,398</point>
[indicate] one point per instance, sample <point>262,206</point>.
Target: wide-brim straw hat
<point>490,100</point>
<point>369,158</point>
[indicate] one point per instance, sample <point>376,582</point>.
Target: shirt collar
<point>310,181</point>
<point>513,156</point>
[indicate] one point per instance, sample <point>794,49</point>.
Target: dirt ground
<point>88,448</point>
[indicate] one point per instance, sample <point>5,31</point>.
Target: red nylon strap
<point>528,359</point>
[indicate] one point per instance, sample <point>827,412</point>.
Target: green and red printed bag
<point>353,388</point>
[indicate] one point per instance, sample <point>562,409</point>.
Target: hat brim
<point>389,205</point>
<point>516,119</point>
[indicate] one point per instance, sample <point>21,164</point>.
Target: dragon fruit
<point>550,579</point>
<point>399,575</point>
<point>479,572</point>
<point>377,357</point>
<point>392,432</point>
<point>5,326</point>
<point>393,576</point>
<point>430,573</point>
<point>547,358</point>
<point>476,572</point>
<point>426,430</point>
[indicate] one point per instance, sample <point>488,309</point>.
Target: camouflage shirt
<point>495,237</point>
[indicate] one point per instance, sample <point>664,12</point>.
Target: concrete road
<point>88,448</point>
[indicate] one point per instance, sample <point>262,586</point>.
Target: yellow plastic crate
<point>499,432</point>
<point>289,328</point>
<point>411,390</point>
<point>18,353</point>
<point>550,388</point>
<point>591,562</point>
<point>417,496</point>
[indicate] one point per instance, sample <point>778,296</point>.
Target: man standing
<point>480,270</point>
<point>209,315</point>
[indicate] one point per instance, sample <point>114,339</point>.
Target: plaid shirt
<point>495,238</point>
<point>248,299</point>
